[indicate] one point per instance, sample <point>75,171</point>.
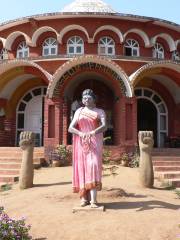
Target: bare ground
<point>132,213</point>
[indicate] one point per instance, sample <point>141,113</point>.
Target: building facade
<point>131,62</point>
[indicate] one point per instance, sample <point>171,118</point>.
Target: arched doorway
<point>66,81</point>
<point>152,114</point>
<point>30,114</point>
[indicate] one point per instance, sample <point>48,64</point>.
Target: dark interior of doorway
<point>147,117</point>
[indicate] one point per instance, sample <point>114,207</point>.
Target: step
<point>175,154</point>
<point>11,154</point>
<point>9,172</point>
<point>166,168</point>
<point>173,182</point>
<point>9,179</point>
<point>17,166</point>
<point>19,160</point>
<point>18,148</point>
<point>166,150</point>
<point>165,158</point>
<point>19,154</point>
<point>166,163</point>
<point>167,175</point>
<point>10,160</point>
<point>8,165</point>
<point>4,151</point>
<point>165,153</point>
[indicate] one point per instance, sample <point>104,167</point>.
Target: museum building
<point>131,62</point>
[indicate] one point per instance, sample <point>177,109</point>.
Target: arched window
<point>3,54</point>
<point>158,51</point>
<point>50,47</point>
<point>30,114</point>
<point>75,45</point>
<point>131,48</point>
<point>106,46</point>
<point>176,56</point>
<point>22,50</point>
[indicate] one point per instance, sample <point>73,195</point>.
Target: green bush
<point>130,159</point>
<point>106,156</point>
<point>64,154</point>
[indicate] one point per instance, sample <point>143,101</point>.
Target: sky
<point>163,9</point>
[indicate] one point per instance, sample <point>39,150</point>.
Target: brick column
<point>176,127</point>
<point>65,122</point>
<point>119,122</point>
<point>53,123</point>
<point>2,132</point>
<point>122,121</point>
<point>9,132</point>
<point>130,121</point>
<point>125,122</point>
<point>7,126</point>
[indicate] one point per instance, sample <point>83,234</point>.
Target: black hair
<point>89,92</point>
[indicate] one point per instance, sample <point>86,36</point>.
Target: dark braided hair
<point>90,93</point>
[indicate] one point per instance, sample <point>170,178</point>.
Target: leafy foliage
<point>108,169</point>
<point>64,154</point>
<point>6,187</point>
<point>177,192</point>
<point>131,158</point>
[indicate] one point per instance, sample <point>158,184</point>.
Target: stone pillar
<point>27,170</point>
<point>146,173</point>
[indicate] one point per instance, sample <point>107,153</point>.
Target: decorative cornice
<point>55,15</point>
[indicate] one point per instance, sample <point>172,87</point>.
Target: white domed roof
<point>91,6</point>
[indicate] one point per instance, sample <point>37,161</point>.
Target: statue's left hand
<point>145,139</point>
<point>92,133</point>
<point>26,140</point>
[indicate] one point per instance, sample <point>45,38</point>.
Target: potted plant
<point>64,154</point>
<point>125,160</point>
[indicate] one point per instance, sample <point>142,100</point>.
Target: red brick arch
<point>113,71</point>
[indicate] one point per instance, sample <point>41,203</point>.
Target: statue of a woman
<point>87,126</point>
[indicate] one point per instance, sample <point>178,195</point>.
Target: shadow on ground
<point>141,206</point>
<point>39,238</point>
<point>52,184</point>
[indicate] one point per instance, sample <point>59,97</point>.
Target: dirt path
<point>132,213</point>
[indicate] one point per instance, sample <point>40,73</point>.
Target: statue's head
<point>88,98</point>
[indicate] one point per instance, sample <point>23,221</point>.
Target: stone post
<point>27,170</point>
<point>146,143</point>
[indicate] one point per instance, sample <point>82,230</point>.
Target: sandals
<point>84,203</point>
<point>94,205</point>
